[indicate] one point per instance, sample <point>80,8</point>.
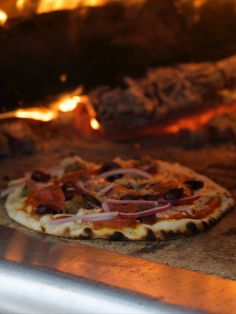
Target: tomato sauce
<point>51,195</point>
<point>116,224</point>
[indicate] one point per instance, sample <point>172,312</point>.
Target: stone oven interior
<point>136,78</point>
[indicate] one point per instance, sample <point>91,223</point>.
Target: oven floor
<point>212,252</point>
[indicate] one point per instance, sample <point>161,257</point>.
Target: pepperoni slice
<point>51,195</point>
<point>116,224</point>
<point>82,175</point>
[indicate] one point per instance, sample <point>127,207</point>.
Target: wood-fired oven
<point>127,78</point>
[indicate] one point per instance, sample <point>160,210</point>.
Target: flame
<point>3,17</point>
<point>65,103</point>
<point>52,5</point>
<point>94,124</point>
<point>198,3</point>
<point>192,122</point>
<point>69,104</point>
<point>20,4</point>
<point>36,114</point>
<point>196,122</point>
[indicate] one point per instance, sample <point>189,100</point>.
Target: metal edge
<point>165,284</point>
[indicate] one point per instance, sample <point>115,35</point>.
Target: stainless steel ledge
<point>41,274</point>
<point>26,290</point>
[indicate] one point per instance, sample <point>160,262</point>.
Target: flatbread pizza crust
<point>164,228</point>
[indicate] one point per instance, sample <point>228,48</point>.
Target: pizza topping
<point>68,190</point>
<point>43,209</point>
<point>148,212</point>
<point>109,166</point>
<point>152,169</point>
<point>173,194</point>
<point>82,175</point>
<point>90,196</point>
<point>105,190</point>
<point>136,202</point>
<point>40,176</point>
<point>76,166</point>
<point>18,181</point>
<point>181,201</point>
<point>133,171</point>
<point>194,184</point>
<point>51,196</point>
<point>9,190</point>
<point>86,218</point>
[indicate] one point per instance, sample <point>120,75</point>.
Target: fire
<point>65,103</point>
<point>52,5</point>
<point>20,4</point>
<point>94,124</point>
<point>45,6</point>
<point>195,122</point>
<point>191,122</point>
<point>69,104</point>
<point>198,3</point>
<point>36,114</point>
<point>3,17</point>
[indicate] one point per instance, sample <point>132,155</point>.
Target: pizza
<point>143,199</point>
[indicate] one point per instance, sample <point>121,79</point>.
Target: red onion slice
<point>18,181</point>
<point>86,218</point>
<point>106,207</point>
<point>181,201</point>
<point>92,198</point>
<point>147,212</point>
<point>9,190</point>
<point>133,171</point>
<point>105,190</point>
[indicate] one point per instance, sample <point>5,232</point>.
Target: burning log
<point>126,39</point>
<point>163,94</point>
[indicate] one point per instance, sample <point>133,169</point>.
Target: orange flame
<point>64,104</point>
<point>3,17</point>
<point>94,124</point>
<point>69,104</point>
<point>195,122</point>
<point>192,122</point>
<point>36,114</point>
<point>20,4</point>
<point>52,5</point>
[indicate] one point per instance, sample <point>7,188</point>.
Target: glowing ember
<point>36,115</point>
<point>195,122</point>
<point>52,5</point>
<point>94,124</point>
<point>20,4</point>
<point>198,3</point>
<point>191,122</point>
<point>69,104</point>
<point>3,17</point>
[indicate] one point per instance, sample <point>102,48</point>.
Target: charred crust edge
<point>150,236</point>
<point>192,228</point>
<point>165,235</point>
<point>117,236</point>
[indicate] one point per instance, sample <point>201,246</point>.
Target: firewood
<point>100,45</point>
<point>164,93</point>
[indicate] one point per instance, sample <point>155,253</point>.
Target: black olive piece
<point>152,169</point>
<point>130,197</point>
<point>194,184</point>
<point>43,209</point>
<point>151,197</point>
<point>87,195</point>
<point>111,165</point>
<point>174,194</point>
<point>40,176</point>
<point>92,200</point>
<point>68,190</point>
